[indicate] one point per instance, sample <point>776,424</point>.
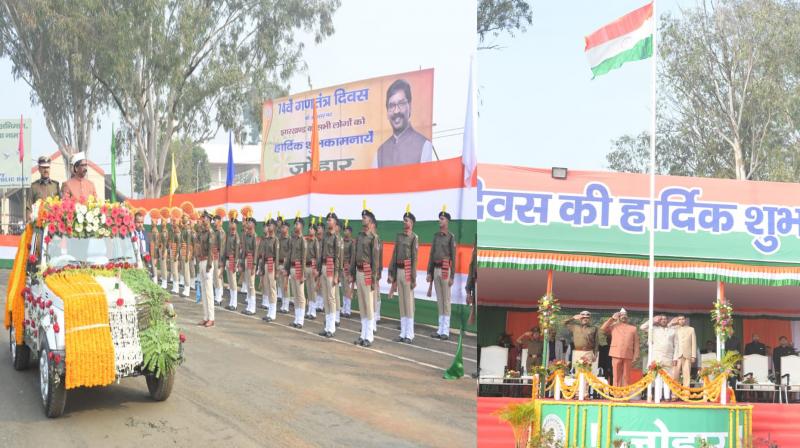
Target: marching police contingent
<point>322,269</point>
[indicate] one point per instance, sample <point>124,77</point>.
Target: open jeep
<point>81,306</point>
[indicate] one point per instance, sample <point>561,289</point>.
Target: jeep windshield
<point>63,251</point>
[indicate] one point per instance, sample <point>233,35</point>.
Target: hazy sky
<point>539,104</point>
<point>373,38</point>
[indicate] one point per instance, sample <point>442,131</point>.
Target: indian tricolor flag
<point>629,38</point>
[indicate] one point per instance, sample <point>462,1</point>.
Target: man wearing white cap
<point>624,348</point>
<point>584,336</point>
<point>79,187</point>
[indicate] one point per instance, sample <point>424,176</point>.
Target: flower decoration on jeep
<point>67,217</point>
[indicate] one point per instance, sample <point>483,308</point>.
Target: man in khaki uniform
<point>155,243</point>
<point>403,274</point>
<point>584,337</point>
<point>186,253</point>
<point>174,248</point>
<point>363,269</point>
<point>535,345</point>
<point>268,254</point>
<point>42,188</point>
<point>347,257</point>
<point>337,292</point>
<point>164,254</point>
<point>685,350</point>
<point>205,268</point>
<point>295,261</point>
<point>283,280</point>
<point>320,233</point>
<point>217,248</point>
<point>624,350</point>
<point>247,260</point>
<point>376,291</point>
<point>310,271</point>
<point>231,259</point>
<point>441,267</point>
<point>330,264</point>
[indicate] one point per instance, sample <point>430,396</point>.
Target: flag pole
<point>651,260</point>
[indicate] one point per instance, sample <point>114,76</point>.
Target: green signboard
<point>600,425</point>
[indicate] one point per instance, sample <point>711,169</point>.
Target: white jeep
<point>115,265</point>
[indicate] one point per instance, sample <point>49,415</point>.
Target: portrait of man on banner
<point>405,145</point>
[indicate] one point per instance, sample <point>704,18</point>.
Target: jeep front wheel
<point>20,354</point>
<point>160,388</point>
<point>54,394</point>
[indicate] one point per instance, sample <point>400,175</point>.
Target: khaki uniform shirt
<point>443,247</point>
<point>203,246</point>
<point>248,245</point>
<point>472,277</point>
<point>41,189</point>
<point>583,336</point>
<point>406,247</point>
<point>296,252</point>
<point>365,252</point>
<point>312,252</point>
<point>267,248</point>
<point>330,248</point>
<point>231,247</point>
<point>218,241</point>
<point>283,247</point>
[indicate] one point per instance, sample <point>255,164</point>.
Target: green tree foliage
<point>184,68</point>
<point>729,83</point>
<point>35,35</point>
<point>496,17</point>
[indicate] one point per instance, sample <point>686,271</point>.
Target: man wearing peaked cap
<point>217,248</point>
<point>268,254</point>
<point>347,256</point>
<point>624,350</point>
<point>441,264</point>
<point>376,290</point>
<point>310,270</point>
<point>363,269</point>
<point>42,188</point>
<point>231,259</point>
<point>247,260</point>
<point>329,263</point>
<point>403,274</point>
<point>294,263</point>
<point>284,294</point>
<point>584,337</point>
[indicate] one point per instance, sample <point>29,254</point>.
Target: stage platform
<point>644,423</point>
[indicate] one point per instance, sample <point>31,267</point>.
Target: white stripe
<point>710,270</point>
<point>8,252</point>
<point>609,49</point>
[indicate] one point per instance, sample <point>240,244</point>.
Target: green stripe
<point>642,50</point>
<point>621,271</point>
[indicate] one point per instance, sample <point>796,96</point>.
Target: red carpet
<point>780,422</point>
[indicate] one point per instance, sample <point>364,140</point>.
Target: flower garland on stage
<point>722,316</point>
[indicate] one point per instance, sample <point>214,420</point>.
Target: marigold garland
<point>88,343</point>
<point>16,283</point>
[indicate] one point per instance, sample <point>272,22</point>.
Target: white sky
<point>372,38</point>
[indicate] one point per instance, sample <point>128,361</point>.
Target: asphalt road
<point>248,383</point>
